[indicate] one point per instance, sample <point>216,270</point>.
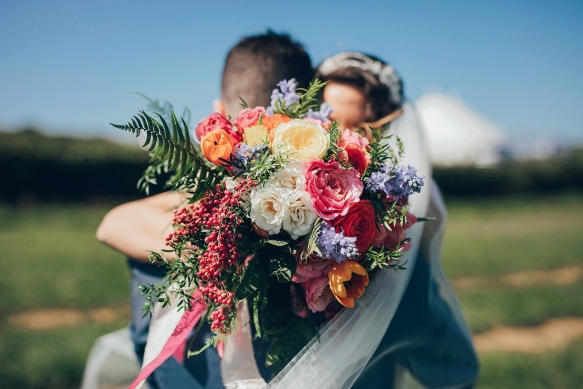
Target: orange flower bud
<point>217,146</point>
<point>347,281</point>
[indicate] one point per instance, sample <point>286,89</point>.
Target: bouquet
<point>287,211</point>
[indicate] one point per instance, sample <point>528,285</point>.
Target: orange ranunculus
<point>217,147</point>
<point>347,281</point>
<point>271,122</point>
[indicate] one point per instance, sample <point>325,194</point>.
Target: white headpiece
<point>384,72</point>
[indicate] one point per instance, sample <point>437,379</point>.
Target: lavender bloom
<point>288,87</point>
<point>258,150</point>
<point>322,115</point>
<point>240,157</point>
<point>284,96</point>
<point>410,182</point>
<point>244,154</point>
<point>334,245</point>
<point>398,181</point>
<point>377,180</point>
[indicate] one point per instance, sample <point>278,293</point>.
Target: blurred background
<point>498,85</point>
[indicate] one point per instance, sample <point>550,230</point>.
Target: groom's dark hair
<point>257,63</point>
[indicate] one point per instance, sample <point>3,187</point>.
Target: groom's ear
<point>219,106</point>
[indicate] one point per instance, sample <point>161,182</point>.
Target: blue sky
<point>70,66</point>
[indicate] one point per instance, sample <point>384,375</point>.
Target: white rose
<point>301,214</point>
<point>269,208</point>
<point>301,140</point>
<point>291,177</point>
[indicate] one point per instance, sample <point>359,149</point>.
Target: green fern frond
<point>171,150</point>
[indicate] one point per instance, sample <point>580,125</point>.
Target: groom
<point>252,68</point>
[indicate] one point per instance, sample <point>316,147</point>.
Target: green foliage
<point>164,109</point>
<point>172,145</point>
<point>381,150</point>
<point>255,274</point>
<point>262,169</point>
<point>309,244</point>
<point>384,257</point>
<point>335,134</point>
<point>282,266</point>
<point>308,100</point>
<point>151,174</point>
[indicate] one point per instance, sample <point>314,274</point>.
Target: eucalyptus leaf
<point>278,243</point>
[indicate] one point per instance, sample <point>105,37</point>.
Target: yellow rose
<point>301,140</point>
<point>256,135</point>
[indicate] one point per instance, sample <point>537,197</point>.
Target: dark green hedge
<point>554,175</point>
<point>43,168</point>
<point>36,167</point>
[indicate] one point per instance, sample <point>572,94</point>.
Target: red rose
<point>359,222</point>
<point>248,117</point>
<point>217,121</point>
<point>331,188</point>
<point>357,157</point>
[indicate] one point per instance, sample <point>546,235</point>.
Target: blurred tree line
<point>36,167</point>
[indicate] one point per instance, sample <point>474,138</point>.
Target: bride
<point>410,321</point>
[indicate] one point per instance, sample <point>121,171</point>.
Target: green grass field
<point>52,260</point>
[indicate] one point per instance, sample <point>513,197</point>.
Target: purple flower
<point>334,245</point>
<point>283,97</point>
<point>398,181</point>
<point>322,115</point>
<point>409,181</point>
<point>288,87</point>
<point>377,180</point>
<point>243,154</point>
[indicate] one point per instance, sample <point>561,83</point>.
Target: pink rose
<point>331,188</point>
<point>248,117</point>
<point>314,267</point>
<point>217,121</point>
<point>318,293</point>
<point>353,137</point>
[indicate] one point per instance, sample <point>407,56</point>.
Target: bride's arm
<point>139,227</point>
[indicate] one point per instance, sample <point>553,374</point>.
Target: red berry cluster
<point>219,216</point>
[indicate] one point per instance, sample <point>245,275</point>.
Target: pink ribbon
<point>177,340</point>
